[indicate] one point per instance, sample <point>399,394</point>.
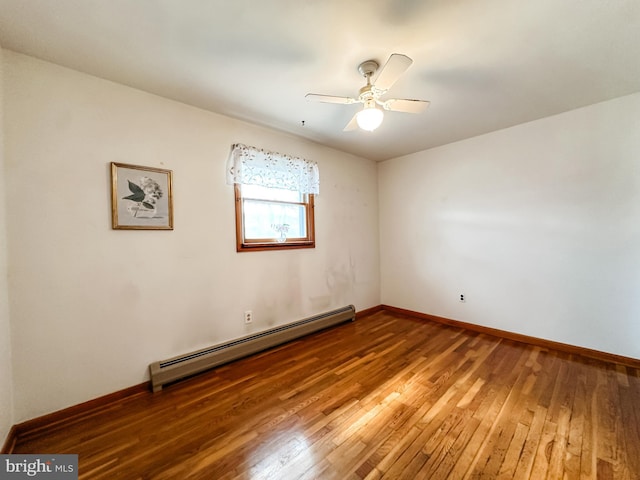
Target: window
<point>273,218</point>
<point>274,199</point>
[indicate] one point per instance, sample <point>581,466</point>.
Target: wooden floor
<point>383,397</point>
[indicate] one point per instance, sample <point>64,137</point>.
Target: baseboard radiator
<point>177,368</point>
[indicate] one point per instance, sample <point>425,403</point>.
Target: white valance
<point>252,166</point>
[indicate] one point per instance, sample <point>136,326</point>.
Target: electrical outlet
<point>248,316</point>
<point>462,299</point>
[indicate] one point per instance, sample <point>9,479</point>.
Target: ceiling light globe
<point>369,118</point>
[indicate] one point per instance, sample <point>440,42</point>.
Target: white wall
<point>91,307</point>
<point>6,382</point>
<point>538,225</point>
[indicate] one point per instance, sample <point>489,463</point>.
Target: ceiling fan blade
<point>352,125</point>
<point>395,66</point>
<point>405,105</point>
<point>315,97</point>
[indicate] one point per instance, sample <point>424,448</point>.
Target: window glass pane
<point>264,219</point>
<point>256,191</point>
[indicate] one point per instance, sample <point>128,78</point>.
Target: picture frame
<point>141,197</point>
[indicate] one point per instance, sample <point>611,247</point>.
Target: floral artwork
<point>144,197</point>
<point>141,197</point>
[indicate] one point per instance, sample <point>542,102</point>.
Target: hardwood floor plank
<point>485,416</point>
<point>532,441</point>
<point>491,457</point>
<point>575,437</point>
<point>630,416</point>
<point>386,396</point>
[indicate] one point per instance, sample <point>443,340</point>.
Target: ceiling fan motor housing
<point>366,93</point>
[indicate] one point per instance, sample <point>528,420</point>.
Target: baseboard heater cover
<point>176,368</point>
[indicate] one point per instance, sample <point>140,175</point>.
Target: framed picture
<point>141,198</point>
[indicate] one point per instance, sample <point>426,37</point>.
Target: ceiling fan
<point>370,117</point>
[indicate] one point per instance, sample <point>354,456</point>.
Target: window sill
<point>254,247</point>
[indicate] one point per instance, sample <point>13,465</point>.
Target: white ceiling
<point>483,64</point>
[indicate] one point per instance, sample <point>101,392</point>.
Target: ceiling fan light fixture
<point>370,117</point>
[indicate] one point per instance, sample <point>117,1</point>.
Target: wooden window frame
<point>262,244</point>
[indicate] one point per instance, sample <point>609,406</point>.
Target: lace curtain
<point>252,166</point>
